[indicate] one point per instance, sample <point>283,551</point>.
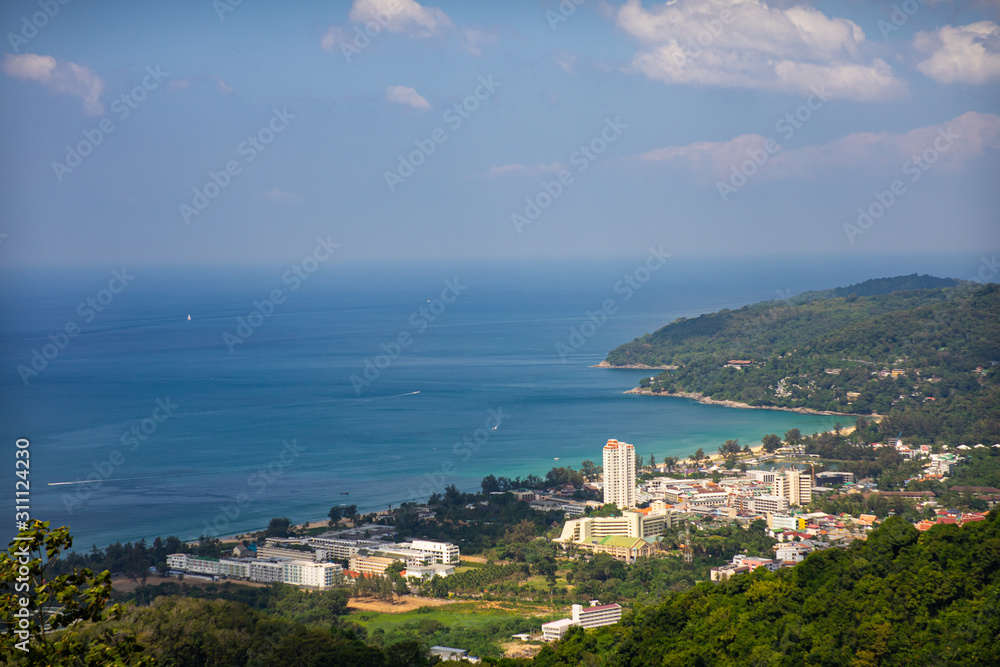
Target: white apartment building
<point>310,574</point>
<point>267,571</point>
<point>596,615</point>
<point>619,474</point>
<point>443,552</point>
<point>765,504</point>
<point>235,567</point>
<point>630,524</point>
<point>193,564</point>
<point>796,485</point>
<point>766,476</point>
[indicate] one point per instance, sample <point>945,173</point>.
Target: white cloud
<point>405,16</point>
<point>748,44</point>
<point>59,76</point>
<point>521,170</point>
<point>274,194</point>
<point>406,95</point>
<point>968,136</point>
<point>961,54</point>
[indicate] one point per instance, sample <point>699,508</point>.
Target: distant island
<point>920,350</point>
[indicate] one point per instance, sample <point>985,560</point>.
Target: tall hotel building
<point>619,474</point>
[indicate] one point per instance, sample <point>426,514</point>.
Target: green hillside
<point>926,357</point>
<point>899,598</point>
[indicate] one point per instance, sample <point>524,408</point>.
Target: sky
<point>231,132</point>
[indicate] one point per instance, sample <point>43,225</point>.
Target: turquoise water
<point>277,427</point>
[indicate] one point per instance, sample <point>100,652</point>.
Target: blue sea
<point>370,384</point>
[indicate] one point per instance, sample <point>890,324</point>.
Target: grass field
<point>482,627</point>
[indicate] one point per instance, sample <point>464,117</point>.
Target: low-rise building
<point>594,616</point>
<point>372,564</point>
<point>311,574</point>
<point>620,547</point>
<point>267,570</point>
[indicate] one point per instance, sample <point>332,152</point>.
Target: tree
<point>698,455</point>
<point>771,442</point>
<point>729,447</point>
<point>490,485</point>
<point>336,513</point>
<point>652,462</point>
<point>35,605</point>
<point>280,526</point>
<point>793,436</point>
<point>589,470</point>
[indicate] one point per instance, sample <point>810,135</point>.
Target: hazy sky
<point>220,132</point>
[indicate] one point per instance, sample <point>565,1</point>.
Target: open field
<point>406,604</point>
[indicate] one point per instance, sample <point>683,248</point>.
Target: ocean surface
<point>147,423</point>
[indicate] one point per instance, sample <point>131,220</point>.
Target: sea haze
<point>393,440</point>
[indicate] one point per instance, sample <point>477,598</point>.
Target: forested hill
<point>757,330</point>
<point>926,356</point>
<point>899,598</point>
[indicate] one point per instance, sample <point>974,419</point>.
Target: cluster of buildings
<point>310,561</point>
<point>306,573</point>
<point>757,492</point>
<point>594,616</point>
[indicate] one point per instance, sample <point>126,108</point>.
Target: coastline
<point>736,404</point>
<point>641,367</point>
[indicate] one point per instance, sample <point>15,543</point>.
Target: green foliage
<point>899,598</point>
<point>40,612</point>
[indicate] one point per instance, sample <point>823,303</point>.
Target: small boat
<point>556,458</point>
<point>189,318</point>
<point>345,493</point>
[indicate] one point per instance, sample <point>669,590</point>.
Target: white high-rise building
<point>795,485</point>
<point>619,474</point>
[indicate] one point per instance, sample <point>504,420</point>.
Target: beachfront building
<point>442,552</point>
<point>193,564</point>
<point>311,574</point>
<point>372,564</point>
<point>619,474</point>
<point>267,571</point>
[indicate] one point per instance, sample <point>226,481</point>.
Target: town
<point>626,510</point>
